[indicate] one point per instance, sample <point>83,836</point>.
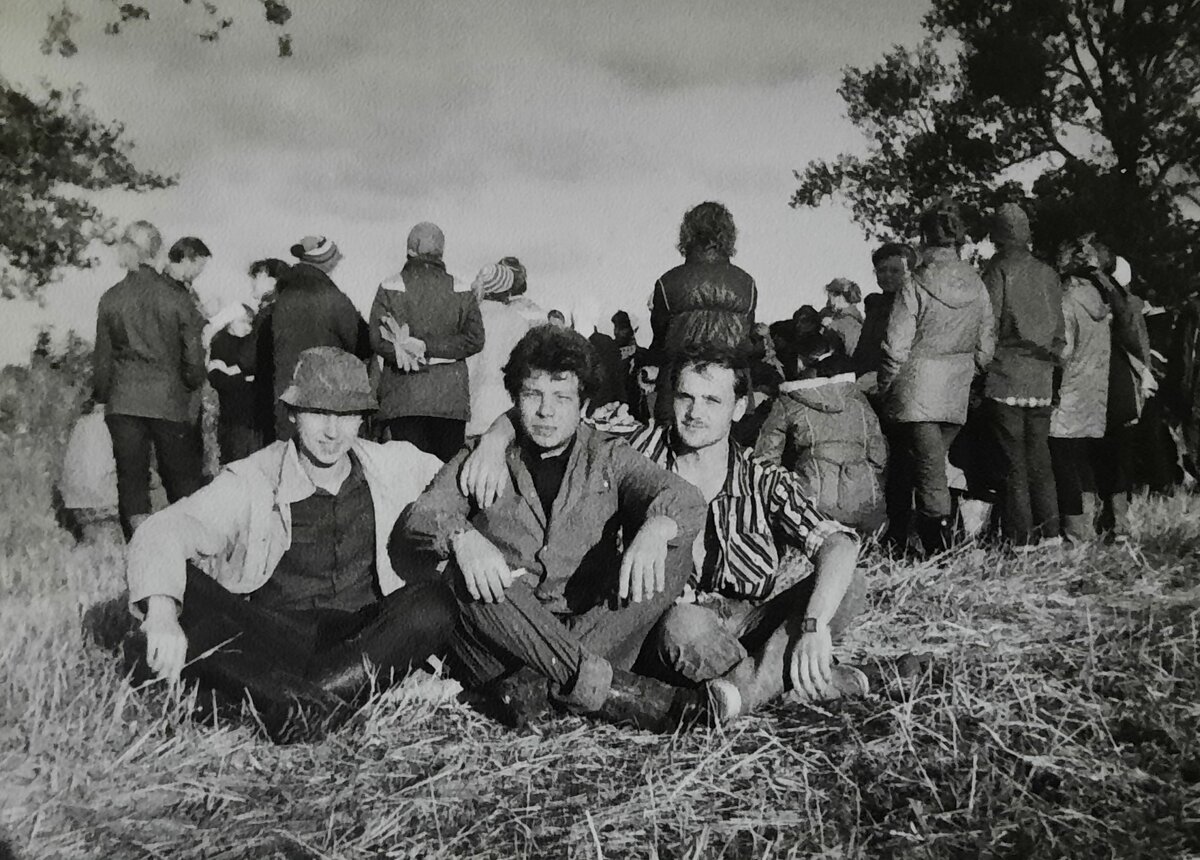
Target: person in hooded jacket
<point>707,299</point>
<point>823,428</point>
<point>940,334</point>
<point>1027,302</point>
<point>841,318</point>
<point>1079,418</point>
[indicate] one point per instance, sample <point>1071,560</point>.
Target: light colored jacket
<point>1081,411</point>
<point>237,528</point>
<point>503,326</point>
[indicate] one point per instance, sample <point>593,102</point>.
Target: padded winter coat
<point>1083,394</point>
<point>1027,300</point>
<point>940,334</point>
<point>707,299</point>
<point>826,432</point>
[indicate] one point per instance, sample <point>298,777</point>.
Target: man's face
<point>324,438</point>
<point>550,408</point>
<point>706,405</point>
<point>890,273</point>
<point>187,271</point>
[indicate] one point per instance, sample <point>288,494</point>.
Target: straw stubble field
<point>1061,720</point>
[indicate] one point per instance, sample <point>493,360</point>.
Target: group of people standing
<point>655,537</point>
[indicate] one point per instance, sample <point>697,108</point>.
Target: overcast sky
<point>571,134</point>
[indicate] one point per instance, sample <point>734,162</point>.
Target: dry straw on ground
<point>1060,721</point>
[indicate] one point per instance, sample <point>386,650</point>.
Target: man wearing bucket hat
<point>311,311</point>
<point>286,554</point>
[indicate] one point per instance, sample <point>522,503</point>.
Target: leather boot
<point>655,706</point>
<point>935,534</point>
<point>514,700</point>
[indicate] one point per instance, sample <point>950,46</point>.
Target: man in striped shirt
<point>753,613</point>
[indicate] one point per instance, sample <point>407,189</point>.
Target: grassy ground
<point>1061,721</point>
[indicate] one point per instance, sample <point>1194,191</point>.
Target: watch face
<point>810,625</point>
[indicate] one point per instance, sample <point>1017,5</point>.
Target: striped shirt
<point>759,504</point>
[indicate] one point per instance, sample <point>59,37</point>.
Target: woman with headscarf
<point>841,318</point>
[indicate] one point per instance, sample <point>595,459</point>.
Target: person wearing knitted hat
<point>842,319</point>
<point>287,551</point>
<point>503,326</point>
<point>309,311</point>
<point>424,331</point>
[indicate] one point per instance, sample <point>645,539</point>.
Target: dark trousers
<point>441,437</point>
<point>237,440</point>
<point>180,455</point>
<point>266,652</point>
<point>898,490</point>
<point>1072,461</point>
<point>494,639</point>
<point>927,445</point>
<point>1029,504</point>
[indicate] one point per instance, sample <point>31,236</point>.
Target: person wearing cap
<point>940,335</point>
<point>148,366</point>
<point>286,554</point>
<point>309,311</point>
<point>424,331</point>
<point>503,326</point>
<point>841,318</point>
<point>1026,298</point>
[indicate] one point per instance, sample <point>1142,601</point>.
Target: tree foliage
<point>1088,111</point>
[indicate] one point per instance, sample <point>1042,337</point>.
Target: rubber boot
<point>935,534</point>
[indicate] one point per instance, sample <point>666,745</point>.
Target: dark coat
<point>869,352</point>
<point>149,359</point>
<point>1130,352</point>
<point>422,296</point>
<point>1026,300</point>
<point>311,311</point>
<point>706,299</point>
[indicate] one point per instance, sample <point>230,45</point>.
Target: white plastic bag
<point>89,474</point>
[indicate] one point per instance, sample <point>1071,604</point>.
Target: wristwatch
<point>809,625</point>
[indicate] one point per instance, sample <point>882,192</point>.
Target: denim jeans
<point>694,643</point>
<point>179,451</point>
<point>1029,502</point>
<point>928,444</point>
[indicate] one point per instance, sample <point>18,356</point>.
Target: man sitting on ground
<point>730,626</point>
<point>539,577</point>
<point>280,567</point>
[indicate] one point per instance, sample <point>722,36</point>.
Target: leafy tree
<point>53,150</point>
<point>1087,111</point>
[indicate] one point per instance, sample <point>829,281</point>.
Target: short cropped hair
<point>704,355</point>
<point>895,249</point>
<point>553,349</point>
<point>145,237</point>
<point>271,267</point>
<point>708,225</point>
<point>188,248</point>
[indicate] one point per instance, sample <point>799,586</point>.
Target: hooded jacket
<point>706,299</point>
<point>940,334</point>
<point>1083,395</point>
<point>826,432</point>
<point>1026,300</point>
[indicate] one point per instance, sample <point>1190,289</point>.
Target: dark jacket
<point>149,359</point>
<point>826,432</point>
<point>572,554</point>
<point>940,334</point>
<point>869,352</point>
<point>1026,299</point>
<point>310,311</point>
<point>1130,352</point>
<point>422,296</point>
<point>705,299</point>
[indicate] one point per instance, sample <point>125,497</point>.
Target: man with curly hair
<point>706,299</point>
<point>546,592</point>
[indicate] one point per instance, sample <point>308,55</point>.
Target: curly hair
<point>846,288</point>
<point>708,225</point>
<point>552,349</point>
<point>705,355</point>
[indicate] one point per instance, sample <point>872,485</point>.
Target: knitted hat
<point>315,250</point>
<point>1010,226</point>
<point>492,280</point>
<point>328,379</point>
<point>846,288</point>
<point>426,240</point>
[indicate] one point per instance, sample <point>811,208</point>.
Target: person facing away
<point>148,366</point>
<point>940,334</point>
<point>893,263</point>
<point>517,300</point>
<point>503,327</point>
<point>541,581</point>
<point>706,298</point>
<point>1027,304</point>
<point>747,617</point>
<point>287,552</point>
<point>823,428</point>
<point>424,331</point>
<point>841,318</point>
<point>310,310</point>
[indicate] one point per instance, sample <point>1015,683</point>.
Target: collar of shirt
<point>294,483</point>
<point>658,442</point>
